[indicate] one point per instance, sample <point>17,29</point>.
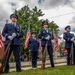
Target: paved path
<point>27,65</point>
<point>27,68</point>
<point>59,62</point>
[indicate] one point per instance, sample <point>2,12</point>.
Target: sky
<point>62,12</point>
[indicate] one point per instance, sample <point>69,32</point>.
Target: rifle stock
<point>4,58</point>
<point>71,55</point>
<point>43,58</point>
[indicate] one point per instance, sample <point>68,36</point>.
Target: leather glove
<point>72,39</point>
<point>10,37</point>
<point>14,34</point>
<point>47,38</point>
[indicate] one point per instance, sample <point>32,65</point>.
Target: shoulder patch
<point>43,31</point>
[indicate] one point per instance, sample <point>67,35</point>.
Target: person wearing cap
<point>33,46</point>
<point>12,32</point>
<point>45,36</point>
<point>69,39</point>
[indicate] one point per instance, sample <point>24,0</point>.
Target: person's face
<point>45,26</point>
<point>13,19</point>
<point>33,35</point>
<point>68,29</point>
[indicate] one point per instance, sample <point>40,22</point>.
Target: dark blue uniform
<point>8,30</point>
<point>43,34</point>
<point>33,46</point>
<point>67,36</point>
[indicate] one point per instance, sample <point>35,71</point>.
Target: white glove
<point>72,39</point>
<point>48,37</point>
<point>10,37</point>
<point>14,34</point>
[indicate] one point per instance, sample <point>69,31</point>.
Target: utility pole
<point>71,3</point>
<point>41,1</point>
<point>13,7</point>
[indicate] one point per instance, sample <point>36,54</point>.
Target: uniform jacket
<point>33,44</point>
<point>67,37</point>
<point>43,34</point>
<point>8,30</point>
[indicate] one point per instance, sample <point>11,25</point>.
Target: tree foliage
<point>30,17</point>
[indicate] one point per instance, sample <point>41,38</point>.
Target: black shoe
<point>18,71</point>
<point>73,63</point>
<point>68,64</point>
<point>6,71</point>
<point>53,66</point>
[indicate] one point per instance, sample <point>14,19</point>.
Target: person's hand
<point>14,34</point>
<point>72,39</point>
<point>10,37</point>
<point>47,38</point>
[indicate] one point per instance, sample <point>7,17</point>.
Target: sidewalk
<point>58,62</point>
<point>27,68</point>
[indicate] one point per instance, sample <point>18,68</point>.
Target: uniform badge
<point>43,31</point>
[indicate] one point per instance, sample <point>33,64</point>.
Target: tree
<point>61,47</point>
<point>30,17</point>
<point>54,28</point>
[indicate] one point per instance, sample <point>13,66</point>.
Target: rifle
<point>4,58</point>
<point>43,58</point>
<point>71,55</point>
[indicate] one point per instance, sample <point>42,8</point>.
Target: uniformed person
<point>69,38</point>
<point>12,32</point>
<point>33,46</point>
<point>46,37</point>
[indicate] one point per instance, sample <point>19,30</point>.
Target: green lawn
<point>61,70</point>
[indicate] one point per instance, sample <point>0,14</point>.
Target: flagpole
<point>29,52</point>
<point>28,35</point>
<point>53,32</point>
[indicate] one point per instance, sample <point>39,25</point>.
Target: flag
<point>56,47</point>
<point>27,37</point>
<point>1,42</point>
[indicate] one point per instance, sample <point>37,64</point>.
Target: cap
<point>67,27</point>
<point>14,15</point>
<point>44,23</point>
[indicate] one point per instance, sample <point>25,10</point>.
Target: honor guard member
<point>46,37</point>
<point>69,38</point>
<point>33,46</point>
<point>12,32</point>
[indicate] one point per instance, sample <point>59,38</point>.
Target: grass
<point>60,70</point>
